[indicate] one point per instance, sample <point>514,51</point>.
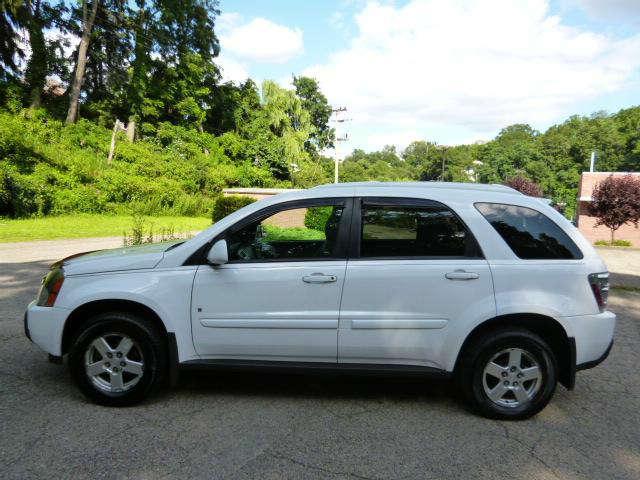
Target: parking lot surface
<point>244,426</point>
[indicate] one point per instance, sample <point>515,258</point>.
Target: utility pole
<point>593,161</point>
<point>341,136</point>
<point>444,151</point>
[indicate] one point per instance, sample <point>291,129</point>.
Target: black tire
<point>149,344</point>
<point>471,376</point>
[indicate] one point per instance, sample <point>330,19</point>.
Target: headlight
<point>51,285</point>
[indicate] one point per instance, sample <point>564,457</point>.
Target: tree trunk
<point>78,78</point>
<point>131,128</point>
<point>36,73</point>
<point>612,235</point>
<point>139,67</point>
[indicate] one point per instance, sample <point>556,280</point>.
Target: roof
<point>256,190</point>
<point>426,185</point>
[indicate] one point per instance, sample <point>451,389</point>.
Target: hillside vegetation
<point>49,168</point>
<point>153,66</point>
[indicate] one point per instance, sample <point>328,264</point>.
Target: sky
<point>448,71</point>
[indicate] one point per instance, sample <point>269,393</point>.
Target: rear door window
<point>530,234</point>
<point>396,230</point>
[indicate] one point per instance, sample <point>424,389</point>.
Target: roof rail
<point>428,185</point>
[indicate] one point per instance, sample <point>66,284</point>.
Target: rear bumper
<point>597,361</point>
<point>590,344</point>
<point>593,335</point>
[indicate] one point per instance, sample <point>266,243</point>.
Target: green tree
<point>315,102</point>
<point>36,16</point>
<point>10,48</point>
<point>289,122</point>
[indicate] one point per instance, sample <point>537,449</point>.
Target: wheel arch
<point>548,328</point>
<point>73,324</point>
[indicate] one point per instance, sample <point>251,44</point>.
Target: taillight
<point>51,285</point>
<point>600,286</point>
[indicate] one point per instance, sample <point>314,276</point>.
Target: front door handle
<point>461,275</point>
<point>319,278</point>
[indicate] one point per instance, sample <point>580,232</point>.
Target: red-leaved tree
<point>616,201</point>
<point>524,185</point>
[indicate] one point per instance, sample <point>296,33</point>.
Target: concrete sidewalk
<point>623,263</point>
<point>43,250</point>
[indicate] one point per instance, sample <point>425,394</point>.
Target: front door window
<point>295,233</point>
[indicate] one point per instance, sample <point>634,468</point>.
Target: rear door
<point>415,272</point>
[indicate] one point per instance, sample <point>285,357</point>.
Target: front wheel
<point>509,374</point>
<point>118,359</point>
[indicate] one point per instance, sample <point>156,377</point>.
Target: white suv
<point>474,281</point>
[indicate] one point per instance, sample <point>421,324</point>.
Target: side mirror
<point>218,253</point>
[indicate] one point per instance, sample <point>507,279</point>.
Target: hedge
<point>227,205</point>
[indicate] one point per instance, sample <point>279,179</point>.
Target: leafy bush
<point>316,217</point>
<point>78,199</point>
<point>283,234</point>
<point>616,201</point>
<point>524,185</point>
<point>227,205</point>
<point>615,243</point>
<point>20,195</point>
<point>47,167</point>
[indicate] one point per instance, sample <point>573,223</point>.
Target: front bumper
<point>44,326</point>
<point>26,325</point>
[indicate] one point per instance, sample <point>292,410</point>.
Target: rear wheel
<point>118,359</point>
<point>508,374</point>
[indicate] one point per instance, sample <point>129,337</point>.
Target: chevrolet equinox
<point>480,283</point>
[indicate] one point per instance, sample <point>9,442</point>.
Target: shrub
<point>21,195</point>
<point>616,201</point>
<point>615,243</point>
<point>316,217</point>
<point>227,205</point>
<point>5,193</point>
<point>79,199</point>
<point>524,185</point>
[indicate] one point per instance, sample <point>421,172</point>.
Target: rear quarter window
<point>530,234</point>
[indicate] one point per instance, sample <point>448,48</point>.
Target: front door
<point>416,273</point>
<point>278,297</point>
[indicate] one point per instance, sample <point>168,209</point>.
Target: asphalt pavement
<point>243,426</point>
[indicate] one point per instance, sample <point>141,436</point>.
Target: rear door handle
<point>319,278</point>
<point>461,275</point>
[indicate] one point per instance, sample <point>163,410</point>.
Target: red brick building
<point>586,223</point>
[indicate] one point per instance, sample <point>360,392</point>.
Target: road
<point>242,426</point>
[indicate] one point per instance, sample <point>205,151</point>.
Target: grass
<point>281,234</point>
<point>87,226</point>
<point>626,288</point>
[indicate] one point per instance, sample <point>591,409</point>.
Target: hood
<point>117,259</point>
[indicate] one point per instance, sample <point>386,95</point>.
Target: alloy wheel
<point>114,363</point>
<point>512,377</point>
